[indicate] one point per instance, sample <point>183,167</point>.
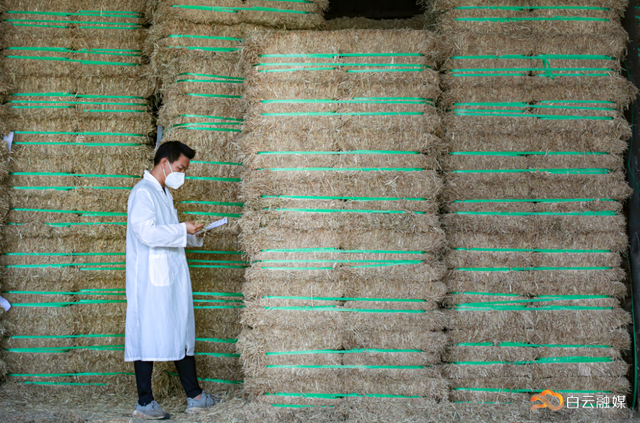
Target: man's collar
<point>149,177</point>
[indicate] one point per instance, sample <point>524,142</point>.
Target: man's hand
<point>192,228</point>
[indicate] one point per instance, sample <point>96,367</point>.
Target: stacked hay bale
<point>80,112</point>
<point>533,197</point>
<point>340,218</point>
<point>195,49</point>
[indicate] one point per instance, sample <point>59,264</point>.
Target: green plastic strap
<point>336,396</point>
<point>536,57</point>
<point>524,308</point>
<point>526,269</point>
<point>527,345</point>
<point>346,169</point>
<point>64,254</point>
<point>345,211</point>
<point>69,374</point>
<point>214,203</point>
<point>396,100</point>
<point>545,360</point>
<point>122,293</point>
<point>83,62</point>
<point>331,268</point>
<point>542,117</point>
<point>63,350</point>
<point>341,261</point>
<point>218,340</point>
<point>339,55</point>
<point>331,153</point>
<point>66,336</point>
<point>215,163</point>
<point>338,250</point>
<point>353,310</point>
<point>109,134</point>
<point>351,351</point>
<point>593,171</point>
<point>235,253</point>
<point>230,382</point>
<point>525,19</point>
<point>80,144</point>
<point>343,366</point>
<point>222,355</point>
<point>527,153</point>
<point>531,250</point>
<point>204,37</point>
<point>80,212</point>
<point>530,391</point>
<point>278,297</point>
<point>582,213</point>
<point>538,200</point>
<point>314,197</point>
<point>345,114</point>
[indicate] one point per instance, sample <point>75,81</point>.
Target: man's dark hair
<point>172,151</point>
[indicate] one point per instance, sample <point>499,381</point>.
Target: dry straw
<point>276,14</point>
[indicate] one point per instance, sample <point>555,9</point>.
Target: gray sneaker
<point>205,401</point>
<point>151,411</point>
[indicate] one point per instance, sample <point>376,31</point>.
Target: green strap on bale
<point>581,213</point>
<point>531,250</point>
<point>109,134</point>
<point>343,366</point>
<point>351,351</point>
<point>350,310</point>
<point>586,171</point>
<point>527,269</point>
<point>527,153</point>
<point>218,340</point>
<point>338,250</point>
<point>314,197</point>
<point>344,114</point>
<point>345,211</point>
<point>527,345</point>
<point>537,200</point>
<point>341,55</point>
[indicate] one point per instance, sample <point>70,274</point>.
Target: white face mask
<point>174,180</point>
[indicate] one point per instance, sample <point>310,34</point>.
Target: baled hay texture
<point>546,141</point>
<point>212,143</point>
<point>499,389</point>
<point>534,224</point>
<point>544,160</point>
<point>278,14</point>
<point>210,367</point>
<point>417,22</point>
<point>575,282</point>
<point>324,139</point>
<point>616,338</point>
<point>82,130</point>
<point>67,278</point>
<point>419,184</point>
<point>89,31</point>
<point>38,321</point>
<point>175,41</point>
<point>228,118</point>
<point>177,106</point>
<point>535,185</point>
<point>316,315</point>
<point>84,5</point>
<point>39,98</point>
<point>470,120</point>
<point>507,323</point>
<point>517,299</point>
<point>409,223</point>
<point>340,160</point>
<point>38,229</point>
<point>615,89</point>
<point>224,283</point>
<point>444,5</point>
<point>526,352</point>
<point>579,205</point>
<point>217,323</point>
<point>299,109</point>
<point>111,160</point>
<point>532,43</point>
<point>56,60</point>
<point>345,381</point>
<point>582,20</point>
<point>375,239</point>
<point>81,199</point>
<point>612,369</point>
<point>412,47</point>
<point>550,241</point>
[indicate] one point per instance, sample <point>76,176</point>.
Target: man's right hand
<point>192,228</point>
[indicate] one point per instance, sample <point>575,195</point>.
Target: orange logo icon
<point>546,402</point>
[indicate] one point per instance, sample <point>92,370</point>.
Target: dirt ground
<point>47,404</point>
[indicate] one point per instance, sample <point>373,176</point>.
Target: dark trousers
<point>186,369</point>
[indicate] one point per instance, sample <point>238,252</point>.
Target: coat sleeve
<point>194,241</point>
<point>142,218</point>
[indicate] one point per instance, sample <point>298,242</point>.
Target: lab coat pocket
<point>159,272</point>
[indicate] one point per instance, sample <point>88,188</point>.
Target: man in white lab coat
<point>160,324</point>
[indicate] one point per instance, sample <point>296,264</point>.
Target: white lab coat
<point>160,324</point>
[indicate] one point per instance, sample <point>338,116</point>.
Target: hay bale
<point>279,14</point>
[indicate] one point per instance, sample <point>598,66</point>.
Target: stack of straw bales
<point>533,196</point>
<point>340,221</point>
<point>194,47</point>
<point>80,111</point>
